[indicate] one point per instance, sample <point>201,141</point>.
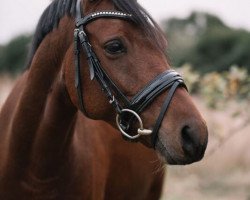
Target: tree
<point>205,42</point>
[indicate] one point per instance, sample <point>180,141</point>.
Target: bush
<point>13,55</point>
<point>217,88</point>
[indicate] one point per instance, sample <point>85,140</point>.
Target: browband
<point>103,14</point>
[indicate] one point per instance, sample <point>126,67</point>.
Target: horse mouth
<point>169,157</point>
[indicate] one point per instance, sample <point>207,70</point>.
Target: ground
<point>224,173</point>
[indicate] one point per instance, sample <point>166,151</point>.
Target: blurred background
<point>209,43</point>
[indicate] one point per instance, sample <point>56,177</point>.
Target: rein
<point>127,110</point>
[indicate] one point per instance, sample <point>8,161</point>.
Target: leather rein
<point>127,110</point>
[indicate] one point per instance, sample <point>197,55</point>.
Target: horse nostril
<point>190,142</point>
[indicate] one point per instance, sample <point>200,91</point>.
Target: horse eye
<point>115,47</point>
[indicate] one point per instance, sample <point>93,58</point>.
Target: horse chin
<point>170,158</point>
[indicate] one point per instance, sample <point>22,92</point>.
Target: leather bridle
<point>127,110</point>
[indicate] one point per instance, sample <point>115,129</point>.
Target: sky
<point>21,16</point>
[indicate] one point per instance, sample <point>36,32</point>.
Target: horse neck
<point>43,122</point>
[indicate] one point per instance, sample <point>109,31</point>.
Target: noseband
<point>127,110</point>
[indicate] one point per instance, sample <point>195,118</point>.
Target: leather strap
<point>78,82</point>
<point>154,89</point>
<point>163,112</point>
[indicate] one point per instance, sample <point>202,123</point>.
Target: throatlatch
<point>127,110</point>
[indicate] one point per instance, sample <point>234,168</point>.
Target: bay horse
<point>96,68</point>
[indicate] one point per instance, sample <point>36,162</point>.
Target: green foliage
<point>204,41</point>
<point>13,55</point>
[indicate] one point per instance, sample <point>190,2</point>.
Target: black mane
<point>59,8</point>
<point>50,20</point>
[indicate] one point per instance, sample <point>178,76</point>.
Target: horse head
<point>120,65</point>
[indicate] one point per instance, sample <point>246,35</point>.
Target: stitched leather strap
<point>153,89</point>
<point>163,112</point>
